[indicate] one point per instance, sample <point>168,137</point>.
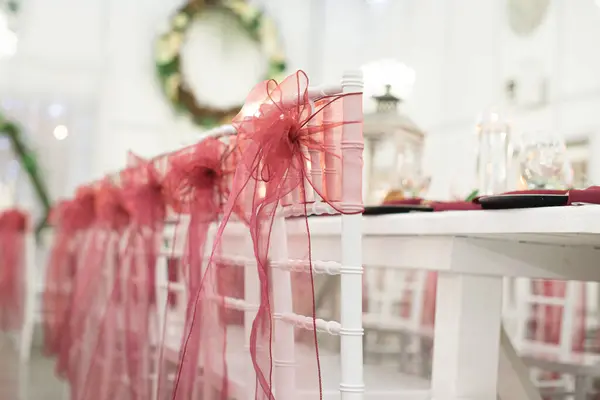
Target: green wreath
<point>29,163</point>
<point>168,57</point>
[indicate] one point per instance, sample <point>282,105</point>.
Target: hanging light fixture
<point>60,132</point>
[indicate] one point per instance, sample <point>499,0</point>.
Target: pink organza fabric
<point>60,272</point>
<point>142,195</point>
<point>93,320</point>
<point>75,239</point>
<point>105,372</point>
<point>70,219</point>
<point>13,226</point>
<point>196,186</point>
<point>272,142</point>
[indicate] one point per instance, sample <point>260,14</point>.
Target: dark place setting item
<point>524,199</point>
<point>396,209</point>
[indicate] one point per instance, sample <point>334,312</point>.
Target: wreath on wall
<point>29,163</point>
<point>168,56</point>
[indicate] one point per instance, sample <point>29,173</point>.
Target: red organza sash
<point>143,197</point>
<point>74,240</point>
<point>277,130</point>
<point>196,186</point>
<point>13,225</point>
<point>70,219</point>
<point>99,328</point>
<point>58,281</point>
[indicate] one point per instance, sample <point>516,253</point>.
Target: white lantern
<point>393,152</point>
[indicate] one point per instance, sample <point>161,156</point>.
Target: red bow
<point>143,195</point>
<point>277,129</point>
<point>13,221</point>
<point>110,208</point>
<point>196,184</point>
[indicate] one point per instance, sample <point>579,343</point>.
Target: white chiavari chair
<point>234,255</point>
<point>393,320</point>
<point>171,299</point>
<point>547,330</point>
<point>335,252</point>
<point>173,295</point>
<point>95,336</point>
<point>102,349</point>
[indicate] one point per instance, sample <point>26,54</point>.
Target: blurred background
<point>82,83</point>
<point>80,77</point>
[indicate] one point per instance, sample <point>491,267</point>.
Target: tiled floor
<point>35,381</point>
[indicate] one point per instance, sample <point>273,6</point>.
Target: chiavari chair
<point>549,320</point>
<point>394,318</point>
<point>332,252</point>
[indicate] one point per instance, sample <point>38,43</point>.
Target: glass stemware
<point>544,163</point>
<point>410,178</point>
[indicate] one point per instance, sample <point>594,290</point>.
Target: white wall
<point>99,53</point>
<point>463,52</point>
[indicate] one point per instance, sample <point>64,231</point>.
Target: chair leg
<point>26,340</point>
<point>66,391</point>
<point>581,387</point>
<point>404,356</point>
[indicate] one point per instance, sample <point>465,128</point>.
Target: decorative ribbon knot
<point>279,136</point>
<point>277,131</point>
<point>13,221</point>
<point>57,212</point>
<point>143,192</point>
<point>195,178</point>
<point>143,195</point>
<point>145,203</point>
<point>80,213</point>
<point>110,209</point>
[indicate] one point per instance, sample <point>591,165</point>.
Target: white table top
<point>575,225</point>
<point>549,243</point>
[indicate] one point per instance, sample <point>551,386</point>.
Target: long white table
<point>473,251</point>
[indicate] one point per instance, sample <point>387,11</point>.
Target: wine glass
<point>544,163</point>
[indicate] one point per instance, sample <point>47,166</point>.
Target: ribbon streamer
<point>196,184</point>
<point>277,130</point>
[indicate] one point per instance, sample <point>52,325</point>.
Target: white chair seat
<point>382,382</point>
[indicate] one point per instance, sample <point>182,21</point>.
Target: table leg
<point>513,376</point>
<point>467,337</point>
